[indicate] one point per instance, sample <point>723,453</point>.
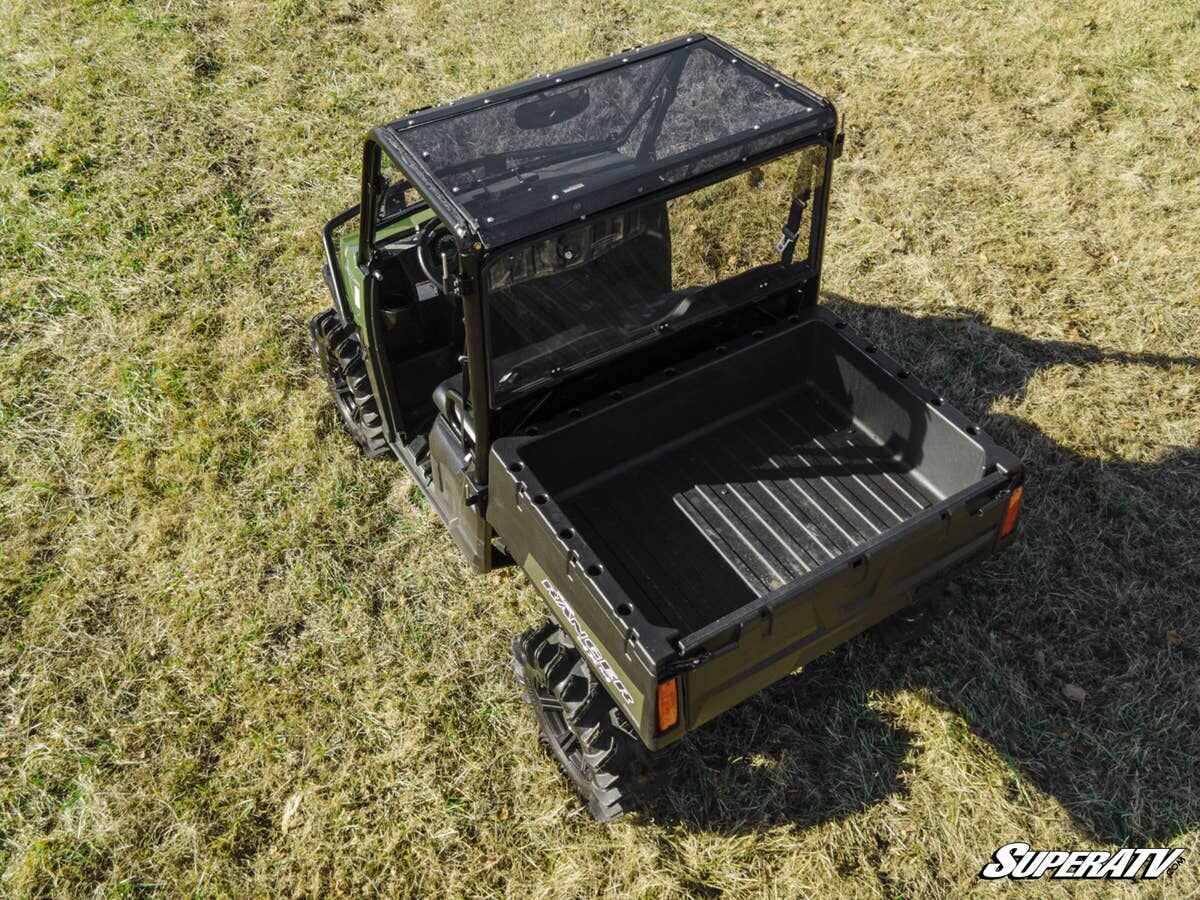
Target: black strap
<point>801,192</point>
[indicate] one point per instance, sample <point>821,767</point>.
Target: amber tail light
<point>668,704</point>
<point>1012,511</point>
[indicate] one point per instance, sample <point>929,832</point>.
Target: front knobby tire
<point>340,353</point>
<point>580,725</point>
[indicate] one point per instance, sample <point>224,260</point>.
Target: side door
<point>412,326</point>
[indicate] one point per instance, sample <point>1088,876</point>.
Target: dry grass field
<point>239,660</point>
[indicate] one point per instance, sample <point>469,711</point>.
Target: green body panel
<point>347,260</point>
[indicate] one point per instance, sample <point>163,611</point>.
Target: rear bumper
<point>760,654</point>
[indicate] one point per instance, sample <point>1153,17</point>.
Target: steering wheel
<point>435,243</point>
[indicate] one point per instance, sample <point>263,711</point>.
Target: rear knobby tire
<point>580,725</point>
<point>339,351</point>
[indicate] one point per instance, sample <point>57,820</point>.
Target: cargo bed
<point>700,503</point>
<point>744,509</point>
<point>797,477</point>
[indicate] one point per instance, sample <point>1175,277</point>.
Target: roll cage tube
<point>820,213</point>
<point>335,271</point>
<point>372,192</point>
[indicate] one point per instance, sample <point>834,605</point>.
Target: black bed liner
<point>746,508</point>
<point>710,495</point>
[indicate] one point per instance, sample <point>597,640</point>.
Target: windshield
<point>608,284</point>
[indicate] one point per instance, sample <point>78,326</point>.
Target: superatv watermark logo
<point>587,644</point>
<point>1020,861</point>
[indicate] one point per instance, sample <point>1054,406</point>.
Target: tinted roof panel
<point>551,149</point>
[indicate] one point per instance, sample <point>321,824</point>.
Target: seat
<point>449,395</point>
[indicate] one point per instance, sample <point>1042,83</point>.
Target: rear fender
<point>618,655</point>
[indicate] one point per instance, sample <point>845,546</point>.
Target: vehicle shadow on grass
<point>1099,596</point>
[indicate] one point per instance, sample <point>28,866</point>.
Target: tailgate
<point>740,655</point>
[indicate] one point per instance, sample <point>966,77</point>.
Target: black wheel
<point>339,350</point>
<point>580,725</point>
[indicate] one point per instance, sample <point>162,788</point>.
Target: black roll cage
<point>473,254</point>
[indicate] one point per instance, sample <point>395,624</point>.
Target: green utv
<point>584,313</point>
